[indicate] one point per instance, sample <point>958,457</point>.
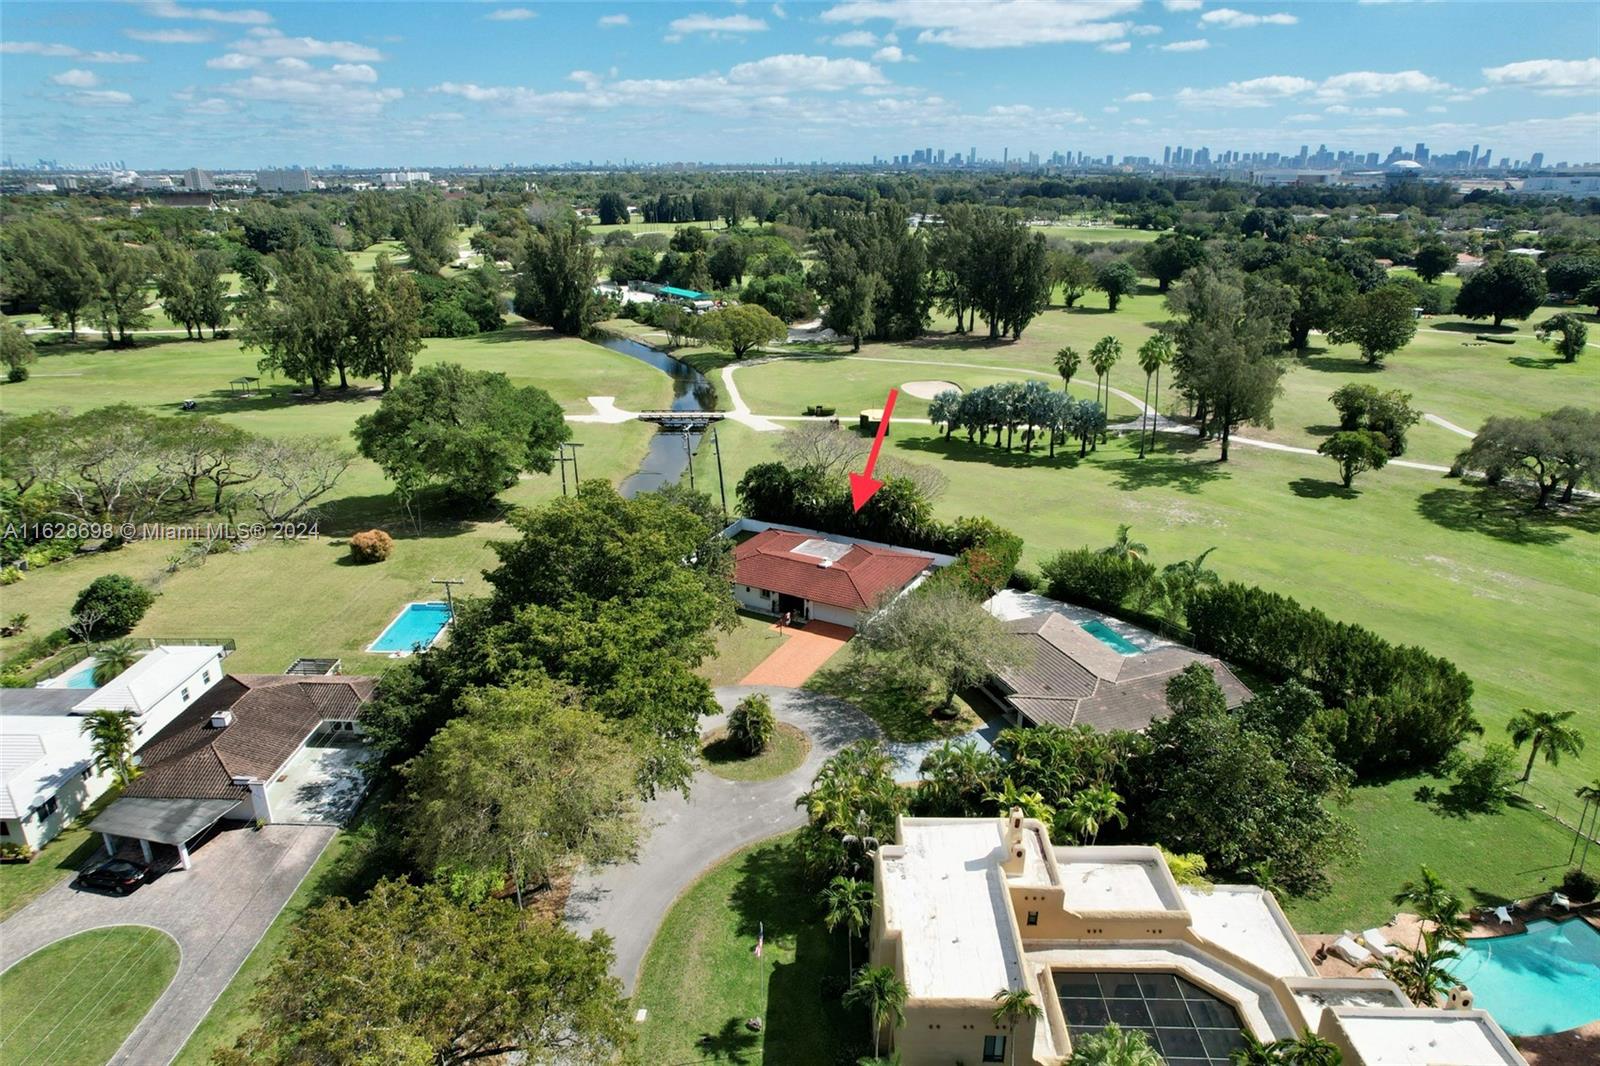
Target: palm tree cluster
<point>850,809</point>
<point>1031,407</point>
<point>1421,971</point>
<point>110,736</point>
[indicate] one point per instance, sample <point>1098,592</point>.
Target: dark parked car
<point>118,875</point>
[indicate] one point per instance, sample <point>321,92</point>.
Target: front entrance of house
<point>795,605</point>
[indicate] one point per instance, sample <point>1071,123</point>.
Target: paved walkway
<point>216,912</point>
<point>801,654</point>
<point>687,836</point>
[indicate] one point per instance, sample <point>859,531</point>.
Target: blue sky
<point>225,85</point>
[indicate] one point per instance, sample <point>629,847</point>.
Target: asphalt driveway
<point>687,836</point>
<point>216,912</point>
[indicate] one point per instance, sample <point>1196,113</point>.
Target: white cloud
<point>613,21</point>
<point>1257,92</point>
<point>292,63</point>
<point>715,24</point>
<point>1549,77</point>
<point>1139,98</point>
<point>99,98</point>
<point>77,79</point>
<point>1110,109</point>
<point>856,39</point>
<point>170,36</point>
<point>510,14</point>
<point>1182,5</point>
<point>65,51</point>
<point>1199,44</point>
<point>270,44</point>
<point>233,61</point>
<point>1117,47</point>
<point>1229,19</point>
<point>1436,109</point>
<point>1371,83</point>
<point>778,12</point>
<point>889,54</point>
<point>321,90</point>
<point>353,72</point>
<point>995,24</point>
<point>239,16</point>
<point>1366,112</point>
<point>1146,31</point>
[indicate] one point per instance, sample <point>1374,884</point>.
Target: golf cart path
<point>686,837</point>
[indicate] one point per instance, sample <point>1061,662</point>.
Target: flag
<point>761,937</point>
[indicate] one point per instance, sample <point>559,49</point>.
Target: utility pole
<point>563,458</point>
<point>449,599</point>
<point>688,454</point>
<point>717,446</point>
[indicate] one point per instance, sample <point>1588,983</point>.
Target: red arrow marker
<point>864,485</point>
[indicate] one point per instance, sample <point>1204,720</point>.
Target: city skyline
<point>168,85</point>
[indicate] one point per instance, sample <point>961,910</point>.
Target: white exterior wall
<point>73,797</point>
<point>751,599</point>
<point>839,616</point>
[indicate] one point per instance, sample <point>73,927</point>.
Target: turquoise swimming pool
<point>82,677</point>
<point>1542,981</point>
<point>1110,637</point>
<point>415,628</point>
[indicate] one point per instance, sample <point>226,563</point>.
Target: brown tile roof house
<point>1076,679</point>
<point>273,714</point>
<point>837,573</point>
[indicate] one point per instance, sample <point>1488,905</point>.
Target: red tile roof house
<point>223,756</point>
<point>831,579</point>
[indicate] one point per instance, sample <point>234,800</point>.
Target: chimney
<point>1016,849</point>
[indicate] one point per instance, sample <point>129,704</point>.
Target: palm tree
<point>1434,903</point>
<point>848,902</point>
<point>1123,547</point>
<point>1186,868</point>
<point>1308,1049</point>
<point>1546,729</point>
<point>1114,1046</point>
<point>1179,580</point>
<point>1030,800</point>
<point>883,994</point>
<point>1089,810</point>
<point>112,658</point>
<point>1067,363</point>
<point>1015,1005</point>
<point>1103,356</point>
<point>1589,793</point>
<point>110,736</point>
<point>1420,973</point>
<point>1152,354</point>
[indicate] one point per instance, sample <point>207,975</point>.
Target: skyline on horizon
<point>232,86</point>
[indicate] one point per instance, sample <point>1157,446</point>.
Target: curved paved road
<point>687,836</point>
<point>216,912</point>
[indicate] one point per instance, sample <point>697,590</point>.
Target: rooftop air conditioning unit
<point>825,564</point>
<point>222,720</point>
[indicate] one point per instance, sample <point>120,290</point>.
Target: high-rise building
<point>1473,160</point>
<point>1421,153</point>
<point>1536,161</point>
<point>972,155</point>
<point>1487,158</point>
<point>198,180</point>
<point>296,180</point>
<point>1166,156</point>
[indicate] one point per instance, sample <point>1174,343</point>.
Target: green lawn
<point>337,608</point>
<point>786,752</point>
<point>72,849</point>
<point>597,230</point>
<point>741,649</point>
<point>1487,858</point>
<point>702,979</point>
<point>75,1001</point>
<point>1095,234</point>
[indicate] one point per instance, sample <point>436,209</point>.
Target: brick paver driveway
<point>800,655</point>
<point>216,912</point>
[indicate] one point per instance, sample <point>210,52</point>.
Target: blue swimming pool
<point>82,677</point>
<point>414,629</point>
<point>1542,981</point>
<point>1110,637</point>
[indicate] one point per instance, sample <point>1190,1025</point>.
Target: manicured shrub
<point>371,546</point>
<point>751,725</point>
<point>115,602</point>
<point>1095,579</point>
<point>17,374</point>
<point>1580,886</point>
<point>1484,782</point>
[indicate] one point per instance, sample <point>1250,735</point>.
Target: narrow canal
<point>670,450</point>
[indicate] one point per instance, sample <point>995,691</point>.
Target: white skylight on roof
<point>827,550</point>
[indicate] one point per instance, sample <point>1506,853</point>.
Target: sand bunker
<point>927,390</point>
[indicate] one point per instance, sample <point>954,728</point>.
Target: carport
<point>159,821</point>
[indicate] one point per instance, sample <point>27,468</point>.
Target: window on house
<point>87,772</point>
<point>205,676</point>
<point>46,809</point>
<point>5,829</point>
<point>183,694</point>
<point>1033,917</point>
<point>994,1049</point>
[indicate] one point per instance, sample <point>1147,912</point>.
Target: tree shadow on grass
<point>1339,364</point>
<point>893,694</point>
<point>435,515</point>
<point>1310,488</point>
<point>1471,327</point>
<point>271,396</point>
<point>960,450</point>
<point>1528,362</point>
<point>1176,465</point>
<point>1505,514</point>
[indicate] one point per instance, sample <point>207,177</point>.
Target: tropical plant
<point>1014,1005</point>
<point>1435,903</point>
<point>110,736</point>
<point>1421,972</point>
<point>1154,353</point>
<point>1179,581</point>
<point>1307,1049</point>
<point>751,724</point>
<point>1067,363</point>
<point>1186,868</point>
<point>1089,810</point>
<point>1124,547</point>
<point>847,902</point>
<point>112,658</point>
<point>1102,357</point>
<point>883,995</point>
<point>1548,730</point>
<point>1114,1046</point>
<point>955,779</point>
<point>1589,794</point>
<point>1030,800</point>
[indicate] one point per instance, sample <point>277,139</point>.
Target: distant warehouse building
<point>1578,186</point>
<point>284,180</point>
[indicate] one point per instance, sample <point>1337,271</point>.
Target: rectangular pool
<point>414,629</point>
<point>1111,638</point>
